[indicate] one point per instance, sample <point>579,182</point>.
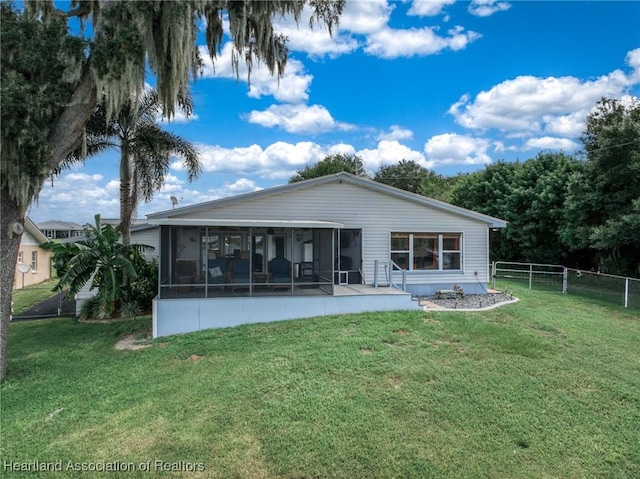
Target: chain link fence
<point>605,287</point>
<point>40,302</point>
<point>619,290</point>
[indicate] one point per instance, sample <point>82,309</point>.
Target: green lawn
<point>547,387</point>
<point>30,295</point>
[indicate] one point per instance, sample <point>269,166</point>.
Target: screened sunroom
<point>226,258</point>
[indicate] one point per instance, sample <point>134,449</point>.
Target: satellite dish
<point>174,201</point>
<point>24,268</point>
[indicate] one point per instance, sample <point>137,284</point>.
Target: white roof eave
<point>246,223</point>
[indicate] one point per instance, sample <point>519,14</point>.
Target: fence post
<point>565,280</point>
<point>493,274</point>
<point>626,292</point>
<point>530,276</point>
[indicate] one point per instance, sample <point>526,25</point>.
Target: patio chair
<point>217,271</point>
<point>186,272</point>
<point>239,272</point>
<point>280,269</point>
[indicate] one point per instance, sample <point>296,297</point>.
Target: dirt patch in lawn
<point>132,342</point>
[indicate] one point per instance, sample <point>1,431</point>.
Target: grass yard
<point>30,295</point>
<point>547,387</point>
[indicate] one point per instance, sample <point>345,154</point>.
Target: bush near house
<point>119,272</point>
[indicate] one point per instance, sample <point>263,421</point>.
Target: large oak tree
<point>51,80</point>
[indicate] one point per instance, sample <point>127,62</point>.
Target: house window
<point>20,257</point>
<point>427,251</point>
<point>34,261</point>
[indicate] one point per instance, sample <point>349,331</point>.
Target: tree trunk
<point>67,135</point>
<point>125,195</point>
<point>10,216</point>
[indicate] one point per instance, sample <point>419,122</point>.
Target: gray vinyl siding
<point>149,237</point>
<point>377,214</point>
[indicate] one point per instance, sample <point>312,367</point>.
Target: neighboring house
<point>312,248</point>
<point>30,254</point>
<point>55,229</point>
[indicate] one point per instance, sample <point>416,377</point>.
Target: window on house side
<point>34,261</point>
<point>427,251</point>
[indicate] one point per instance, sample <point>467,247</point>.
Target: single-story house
<point>34,263</point>
<point>330,245</point>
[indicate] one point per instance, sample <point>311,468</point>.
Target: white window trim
<point>34,268</point>
<point>440,250</point>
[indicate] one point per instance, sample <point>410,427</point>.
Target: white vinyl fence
<point>620,290</point>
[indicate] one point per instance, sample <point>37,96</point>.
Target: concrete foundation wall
<point>175,316</point>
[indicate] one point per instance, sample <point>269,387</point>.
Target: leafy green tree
<point>406,175</point>
<point>536,206</point>
<point>438,187</point>
<point>330,165</point>
<point>145,151</point>
<point>62,254</point>
<point>103,260</point>
<point>486,191</point>
<point>51,80</point>
<point>531,197</point>
<point>603,204</point>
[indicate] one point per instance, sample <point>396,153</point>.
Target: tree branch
<point>68,133</point>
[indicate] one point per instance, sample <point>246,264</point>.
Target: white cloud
<point>485,8</point>
<point>238,187</point>
<point>529,105</point>
<point>396,133</point>
<point>303,119</point>
<point>428,8</point>
<point>551,143</point>
<point>76,192</point>
<point>278,160</point>
<point>179,117</point>
<point>391,43</point>
<point>292,87</point>
<point>365,17</point>
<point>281,160</point>
<point>454,149</point>
<point>317,42</point>
<point>389,152</point>
<point>633,60</point>
<point>341,149</point>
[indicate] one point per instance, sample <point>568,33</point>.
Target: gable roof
<point>156,218</point>
<point>59,225</point>
<point>33,230</point>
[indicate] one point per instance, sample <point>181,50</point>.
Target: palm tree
<point>145,151</point>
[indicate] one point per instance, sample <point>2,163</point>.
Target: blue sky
<point>451,85</point>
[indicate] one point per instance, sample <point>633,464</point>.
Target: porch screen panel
<point>323,255</point>
<point>164,273</point>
